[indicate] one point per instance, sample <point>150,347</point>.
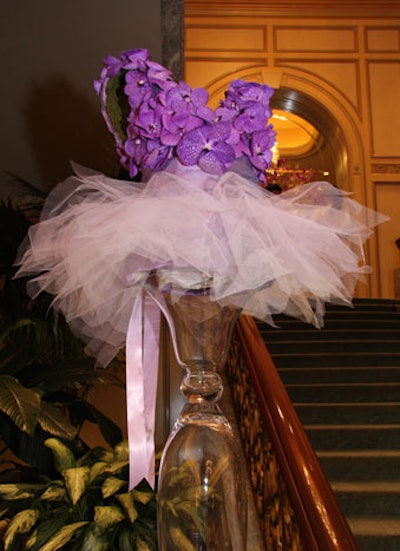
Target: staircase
<point>344,381</point>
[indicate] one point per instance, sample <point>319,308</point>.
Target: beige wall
<point>51,52</point>
<point>348,63</point>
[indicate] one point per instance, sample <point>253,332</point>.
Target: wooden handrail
<point>321,520</point>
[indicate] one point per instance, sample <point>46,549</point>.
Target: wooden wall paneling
<point>383,39</point>
<point>315,38</point>
<point>342,55</point>
<point>387,201</point>
<point>343,75</point>
<point>221,38</point>
<point>384,88</point>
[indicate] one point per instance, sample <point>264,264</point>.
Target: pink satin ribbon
<point>142,351</point>
<point>141,388</point>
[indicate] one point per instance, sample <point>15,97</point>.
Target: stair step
<point>344,382</point>
<point>381,535</point>
<point>349,413</point>
<point>390,323</point>
<point>350,465</point>
<point>326,375</point>
<point>369,499</point>
<point>344,392</point>
<point>366,303</point>
<point>362,359</point>
<point>345,437</point>
<point>348,315</point>
<point>334,346</point>
<point>335,334</point>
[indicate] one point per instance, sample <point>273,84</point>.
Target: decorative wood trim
<point>293,8</point>
<point>385,168</point>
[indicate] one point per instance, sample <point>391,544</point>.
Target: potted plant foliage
<point>88,507</point>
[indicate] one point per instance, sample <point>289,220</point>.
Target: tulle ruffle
<point>100,238</point>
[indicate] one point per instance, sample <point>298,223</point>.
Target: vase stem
<point>201,488</point>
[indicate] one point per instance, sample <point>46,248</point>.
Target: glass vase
<point>201,487</point>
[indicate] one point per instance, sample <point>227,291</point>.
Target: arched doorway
<point>340,149</point>
<point>343,144</point>
<point>325,152</point>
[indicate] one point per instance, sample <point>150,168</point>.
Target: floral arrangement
<point>101,241</point>
<point>154,118</point>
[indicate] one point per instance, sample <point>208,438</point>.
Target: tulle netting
<point>100,238</point>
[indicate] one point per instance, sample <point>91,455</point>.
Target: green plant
<point>88,508</point>
<point>45,376</point>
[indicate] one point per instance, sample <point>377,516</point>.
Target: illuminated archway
<point>320,104</point>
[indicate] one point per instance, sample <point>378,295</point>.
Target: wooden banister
<point>322,523</point>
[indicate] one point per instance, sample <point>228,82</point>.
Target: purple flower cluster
<point>162,119</point>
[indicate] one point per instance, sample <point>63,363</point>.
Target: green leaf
<point>107,516</point>
<point>54,421</point>
<point>20,524</point>
<point>76,481</point>
<point>95,539</point>
<point>95,455</point>
<point>111,486</point>
<point>21,404</point>
<point>54,492</point>
<point>97,469</point>
<point>117,466</point>
<point>63,457</point>
<point>126,500</point>
<point>141,545</point>
<point>121,451</point>
<point>125,539</point>
<point>18,491</point>
<point>47,528</point>
<point>117,104</point>
<point>189,509</point>
<point>142,497</point>
<point>62,536</point>
<point>14,326</point>
<point>180,541</point>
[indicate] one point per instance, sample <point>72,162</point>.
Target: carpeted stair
<point>344,381</point>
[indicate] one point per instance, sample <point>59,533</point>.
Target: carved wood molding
<point>381,168</point>
<point>289,8</point>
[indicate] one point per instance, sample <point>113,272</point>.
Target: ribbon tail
<point>142,344</point>
<point>162,305</point>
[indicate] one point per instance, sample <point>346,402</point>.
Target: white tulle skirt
<point>100,238</point>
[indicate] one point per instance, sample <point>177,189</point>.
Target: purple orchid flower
<point>129,60</point>
<point>134,152</point>
<point>207,147</point>
<point>241,92</point>
<point>167,119</point>
<point>175,126</point>
<point>159,75</point>
<point>260,145</point>
<point>226,114</point>
<point>183,98</point>
<point>137,88</point>
<point>252,118</point>
<point>157,155</point>
<point>148,122</point>
<point>184,110</point>
<point>135,58</point>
